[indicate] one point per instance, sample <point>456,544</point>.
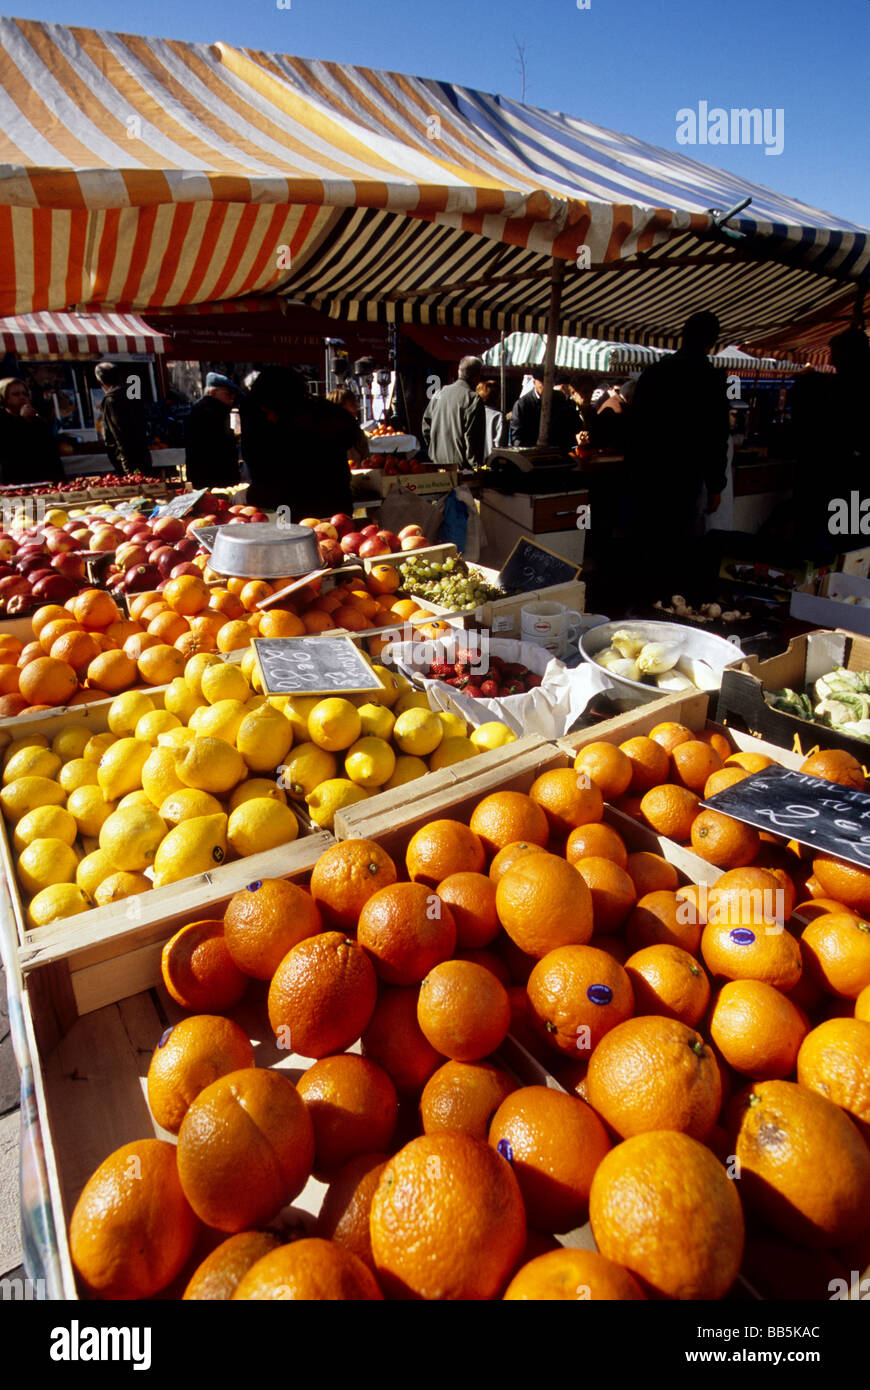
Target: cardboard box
<point>824,604</point>
<point>742,704</point>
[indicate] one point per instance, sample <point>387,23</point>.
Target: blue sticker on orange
<point>164,1036</point>
<point>599,994</point>
<point>252,887</point>
<point>505,1149</point>
<point>742,936</point>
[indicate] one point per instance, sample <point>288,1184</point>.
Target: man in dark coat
<point>676,459</point>
<point>124,428</point>
<point>211,453</point>
<point>526,419</point>
<point>296,447</point>
<point>454,425</point>
<point>28,449</point>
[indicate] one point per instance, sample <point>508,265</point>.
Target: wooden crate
<point>503,616</point>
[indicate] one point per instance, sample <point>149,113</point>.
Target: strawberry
<point>473,690</point>
<point>514,687</point>
<point>441,669</point>
<point>532,681</point>
<point>489,689</point>
<point>496,663</point>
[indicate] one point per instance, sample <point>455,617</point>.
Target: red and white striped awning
<point>78,335</point>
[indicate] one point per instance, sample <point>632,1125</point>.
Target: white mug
<point>549,625</point>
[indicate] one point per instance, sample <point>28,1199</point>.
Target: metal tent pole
<point>557,276</point>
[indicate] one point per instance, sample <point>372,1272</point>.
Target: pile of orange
<point>89,649</point>
<point>686,1027</point>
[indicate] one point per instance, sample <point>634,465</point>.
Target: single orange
<point>846,883</point>
<point>748,897</point>
<point>168,627</point>
<point>645,1211</point>
<point>190,1057</point>
<point>509,855</point>
<point>650,763</point>
<point>543,902</point>
<point>749,761</point>
<point>48,613</point>
<point>9,676</point>
<point>198,969</point>
<point>310,1270</point>
<point>159,665</point>
<point>322,995</point>
<point>693,763</point>
<point>95,609</point>
<point>353,1107</point>
<point>186,595</point>
<point>718,742</point>
<point>572,1274</point>
<point>757,1029</point>
<point>277,622</point>
<point>345,877</point>
<point>651,873</point>
<point>724,778</point>
<point>265,920</point>
<point>234,636</point>
<point>393,1038</point>
<point>443,847</point>
<point>836,949</point>
<point>406,930</point>
<point>666,980</point>
<point>133,1230</point>
<point>463,1010</point>
<point>605,765</point>
<point>471,899</point>
<point>464,1096</point>
<point>78,648</point>
<point>862,1005</point>
<point>655,1073</point>
<point>723,841</point>
<point>47,681</point>
<point>567,799</point>
<point>803,1164</point>
<point>835,765</point>
<point>576,994</point>
<point>834,1060</point>
<point>345,1213</point>
<point>613,892</point>
<point>221,1272</point>
<point>505,817</point>
<point>660,918</point>
<point>435,1187</point>
<point>554,1143</point>
<point>670,734</point>
<point>748,952</point>
<point>670,810</point>
<point>596,840</point>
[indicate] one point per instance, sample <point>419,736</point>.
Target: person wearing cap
<point>211,451</point>
<point>525,418</point>
<point>125,430</point>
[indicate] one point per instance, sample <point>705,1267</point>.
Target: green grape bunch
<point>449,583</point>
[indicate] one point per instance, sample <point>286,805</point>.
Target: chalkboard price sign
<point>314,666</point>
<point>830,818</point>
<point>183,504</point>
<point>529,567</point>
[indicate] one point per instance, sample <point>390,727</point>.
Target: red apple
<point>414,543</point>
<point>5,569</point>
<point>373,546</point>
<point>258,516</point>
<point>168,528</point>
<point>71,565</point>
<point>310,521</point>
<point>342,523</point>
<point>130,527</point>
<point>187,547</point>
<point>370,530</point>
<point>14,583</point>
<point>130,554</point>
<point>19,603</point>
<point>166,560</point>
<point>143,577</point>
<point>390,539</point>
<point>410,531</point>
<point>54,588</point>
<point>31,563</point>
<point>198,521</point>
<point>186,568</point>
<point>326,530</point>
<point>351,543</point>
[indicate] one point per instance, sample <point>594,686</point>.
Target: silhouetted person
<point>831,432</point>
<point>211,452</point>
<point>296,447</point>
<point>125,429</point>
<point>495,420</point>
<point>28,450</point>
<point>454,422</point>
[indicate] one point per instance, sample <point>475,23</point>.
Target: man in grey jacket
<point>454,425</point>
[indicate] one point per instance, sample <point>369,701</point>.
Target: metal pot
<point>264,550</point>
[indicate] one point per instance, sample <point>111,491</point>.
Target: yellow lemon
<point>261,824</point>
<point>120,768</point>
<point>26,741</point>
<point>370,762</point>
<point>120,885</point>
<point>51,822</point>
<point>306,768</point>
<point>450,751</point>
<point>258,702</point>
<point>334,724</point>
<point>57,902</point>
<point>192,847</point>
<point>89,808</point>
<point>129,837</point>
<point>494,734</point>
<point>296,708</point>
<point>418,731</point>
<point>253,789</point>
<point>412,699</point>
<point>393,684</point>
<point>220,720</point>
<point>194,668</point>
<point>376,721</point>
<point>44,862</point>
<point>264,738</point>
<point>331,796</point>
<point>154,723</point>
<point>176,738</point>
<point>224,681</point>
<point>97,746</point>
<point>159,776</point>
<point>71,742</point>
<point>180,699</point>
<point>408,769</point>
<point>78,772</point>
<point>454,727</point>
<point>210,765</point>
<point>26,793</point>
<point>31,762</point>
<point>92,870</point>
<point>139,798</point>
<point>250,667</point>
<point>187,804</point>
<point>127,709</point>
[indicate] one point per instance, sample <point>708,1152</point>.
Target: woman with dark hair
<point>28,450</point>
<point>296,447</point>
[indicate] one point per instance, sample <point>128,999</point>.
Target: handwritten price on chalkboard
<point>803,807</point>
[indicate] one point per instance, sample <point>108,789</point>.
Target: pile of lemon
<point>174,789</point>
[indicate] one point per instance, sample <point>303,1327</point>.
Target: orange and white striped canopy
<point>145,173</point>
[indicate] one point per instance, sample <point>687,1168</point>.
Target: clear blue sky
<point>628,65</point>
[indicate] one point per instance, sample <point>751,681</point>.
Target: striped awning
<point>78,335</point>
<point>142,173</point>
<point>593,355</point>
